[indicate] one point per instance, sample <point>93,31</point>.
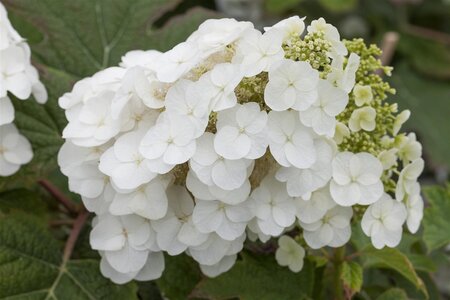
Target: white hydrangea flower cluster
<point>232,134</point>
<point>21,79</point>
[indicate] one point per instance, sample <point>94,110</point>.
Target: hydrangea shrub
<point>237,135</point>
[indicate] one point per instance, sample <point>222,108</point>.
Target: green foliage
<point>181,270</point>
<point>436,220</point>
<point>427,56</point>
<point>352,276</point>
<point>276,6</point>
<point>428,100</point>
<point>258,277</point>
<point>31,266</point>
<point>393,294</point>
<point>390,258</point>
<point>23,200</point>
<point>339,5</point>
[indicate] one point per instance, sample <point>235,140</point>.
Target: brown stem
<point>429,34</point>
<point>74,233</point>
<point>388,46</point>
<point>55,223</point>
<point>352,256</point>
<point>58,195</point>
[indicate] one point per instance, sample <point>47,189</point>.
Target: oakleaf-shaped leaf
<point>31,267</point>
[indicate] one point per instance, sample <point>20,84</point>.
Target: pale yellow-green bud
<point>363,94</point>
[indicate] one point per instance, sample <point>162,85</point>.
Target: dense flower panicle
<point>19,78</point>
<point>236,133</point>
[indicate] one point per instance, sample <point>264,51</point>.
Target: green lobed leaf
<point>258,278</point>
<point>436,221</point>
<point>393,294</point>
<point>352,276</point>
<point>391,258</point>
<point>428,101</point>
<point>31,267</point>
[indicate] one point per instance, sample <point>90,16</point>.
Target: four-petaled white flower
<point>321,115</point>
<point>331,34</point>
<point>333,229</point>
<point>383,222</point>
<point>15,150</point>
<point>363,118</point>
<point>291,144</point>
<point>356,179</point>
<point>407,179</point>
<point>258,52</point>
<point>290,254</point>
<point>292,84</point>
<point>272,206</point>
<point>171,141</point>
<point>241,132</point>
<point>290,27</point>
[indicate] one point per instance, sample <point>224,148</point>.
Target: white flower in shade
<point>176,231</point>
<point>12,72</point>
<point>414,208</point>
<point>331,35</point>
<point>8,35</point>
<point>215,34</point>
<point>184,99</point>
<point>274,208</point>
<point>409,149</point>
<point>15,150</point>
<point>93,125</point>
<point>123,240</point>
<point>80,165</point>
<point>257,52</point>
<point>214,249</point>
<point>171,140</point>
<point>363,94</point>
<point>290,254</point>
<point>148,201</point>
<point>407,179</point>
<point>363,118</point>
<point>312,210</point>
<point>254,232</point>
<point>228,221</point>
<point>131,81</point>
<point>292,84</point>
<point>333,229</point>
<point>152,269</point>
<point>341,133</point>
<point>212,192</point>
<point>356,179</point>
<point>302,182</point>
<point>178,61</point>
<point>140,58</point>
<point>344,78</point>
<point>100,204</point>
<point>124,163</point>
<point>218,86</point>
<point>213,169</point>
<point>321,115</point>
<point>241,132</point>
<point>293,26</point>
<point>291,144</point>
<point>400,120</point>
<point>388,158</point>
<point>224,265</point>
<point>6,111</point>
<point>383,222</point>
